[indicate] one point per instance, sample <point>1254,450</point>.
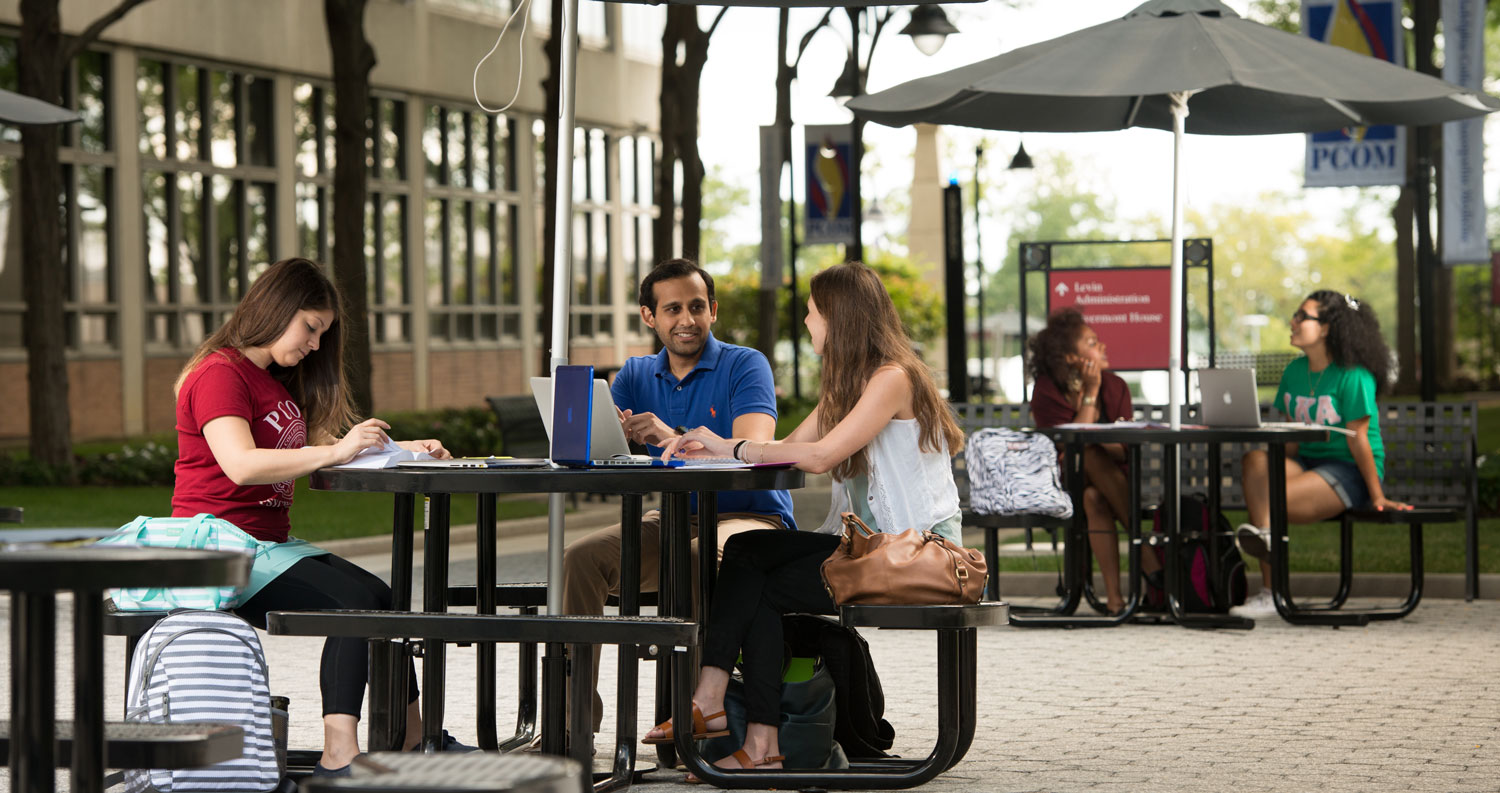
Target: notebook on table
<point>477,462</point>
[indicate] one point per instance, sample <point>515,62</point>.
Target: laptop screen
<point>572,404</point>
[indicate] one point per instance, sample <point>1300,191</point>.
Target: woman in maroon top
<point>261,403</point>
<point>1068,364</point>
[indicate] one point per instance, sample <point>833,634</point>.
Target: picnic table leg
<point>33,639</point>
<point>484,652</point>
<point>88,692</point>
<point>672,588</point>
<point>627,677</point>
<point>388,679</point>
<point>435,598</point>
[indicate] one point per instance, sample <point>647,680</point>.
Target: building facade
<point>206,152</point>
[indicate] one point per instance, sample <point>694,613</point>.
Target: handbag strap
<point>853,523</point>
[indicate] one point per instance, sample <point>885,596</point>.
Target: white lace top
<point>907,487</point>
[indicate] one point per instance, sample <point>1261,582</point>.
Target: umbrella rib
<point>1345,109</point>
<point>1135,107</point>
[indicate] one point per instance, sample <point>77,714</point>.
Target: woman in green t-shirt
<point>1344,364</point>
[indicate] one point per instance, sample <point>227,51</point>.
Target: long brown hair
<point>317,382</point>
<point>864,334</point>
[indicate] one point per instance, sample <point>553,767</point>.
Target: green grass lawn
<point>317,515</point>
<point>1378,548</point>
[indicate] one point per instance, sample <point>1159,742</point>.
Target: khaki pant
<point>591,568</point>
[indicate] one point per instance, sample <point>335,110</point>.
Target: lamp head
<point>929,28</point>
<point>1021,160</point>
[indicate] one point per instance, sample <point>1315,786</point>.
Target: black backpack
<point>1200,593</point>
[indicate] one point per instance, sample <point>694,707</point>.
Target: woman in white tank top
<point>888,437</point>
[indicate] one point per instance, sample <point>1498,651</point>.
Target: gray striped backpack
<point>206,666</point>
<point>1013,472</point>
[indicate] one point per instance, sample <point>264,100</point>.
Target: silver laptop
<point>607,444</point>
<point>1229,397</point>
<point>1230,400</point>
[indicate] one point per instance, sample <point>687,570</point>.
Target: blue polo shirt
<point>728,382</point>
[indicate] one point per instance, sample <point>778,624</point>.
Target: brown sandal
<point>746,764</point>
<point>700,729</point>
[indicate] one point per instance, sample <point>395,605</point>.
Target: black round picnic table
<point>438,485</point>
<point>34,577</point>
<point>1133,437</point>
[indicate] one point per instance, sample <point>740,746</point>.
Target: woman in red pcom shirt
<point>261,403</point>
<point>1068,366</point>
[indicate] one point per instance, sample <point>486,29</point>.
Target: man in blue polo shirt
<point>695,381</point>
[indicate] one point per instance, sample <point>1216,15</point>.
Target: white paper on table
<point>384,457</point>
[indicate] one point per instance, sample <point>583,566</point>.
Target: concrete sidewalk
<point>1409,705</point>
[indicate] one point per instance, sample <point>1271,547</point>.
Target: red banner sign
<point>1128,308</point>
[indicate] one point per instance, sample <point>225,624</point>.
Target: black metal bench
<point>142,745</point>
<point>522,433</point>
<point>490,773</point>
<point>957,667</point>
<point>577,633</point>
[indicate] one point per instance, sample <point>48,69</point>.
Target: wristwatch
<point>680,430</point>
<point>1088,400</point>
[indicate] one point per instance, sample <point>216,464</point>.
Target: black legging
<point>764,575</point>
<point>317,583</point>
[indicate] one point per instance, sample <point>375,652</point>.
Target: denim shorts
<point>1343,476</point>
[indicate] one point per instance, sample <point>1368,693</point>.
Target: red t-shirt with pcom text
<point>229,384</point>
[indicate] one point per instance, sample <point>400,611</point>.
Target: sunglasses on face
<point>1302,316</point>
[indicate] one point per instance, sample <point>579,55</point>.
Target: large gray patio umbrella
<point>1150,68</point>
<point>21,109</point>
<point>563,236</point>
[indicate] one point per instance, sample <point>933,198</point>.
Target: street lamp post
<point>1022,160</point>
<point>928,28</point>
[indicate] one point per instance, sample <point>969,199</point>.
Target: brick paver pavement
<point>1408,705</point>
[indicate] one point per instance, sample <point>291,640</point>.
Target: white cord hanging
<point>523,8</point>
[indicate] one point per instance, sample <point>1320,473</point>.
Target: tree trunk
<point>663,229</point>
<point>689,88</point>
<point>43,270</point>
<point>353,58</point>
<point>768,325</point>
<point>1406,288</point>
<point>552,89</point>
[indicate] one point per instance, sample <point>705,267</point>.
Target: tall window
<point>593,266</point>
<point>471,225</point>
<point>637,158</point>
<point>208,194</point>
<point>386,249</point>
<point>87,181</point>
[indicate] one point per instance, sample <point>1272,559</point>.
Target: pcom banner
<point>1356,156</point>
<point>830,200</point>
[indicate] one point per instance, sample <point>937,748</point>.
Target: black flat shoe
<point>319,770</point>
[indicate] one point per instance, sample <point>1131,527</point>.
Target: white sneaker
<point>1253,541</point>
<point>1260,606</point>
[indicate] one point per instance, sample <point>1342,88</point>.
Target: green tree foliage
<point>1062,207</point>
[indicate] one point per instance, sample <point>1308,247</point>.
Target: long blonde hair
<point>317,382</point>
<point>864,334</point>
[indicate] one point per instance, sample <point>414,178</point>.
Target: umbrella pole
<point>561,272</point>
<point>1174,349</point>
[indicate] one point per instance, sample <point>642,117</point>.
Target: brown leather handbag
<point>913,568</point>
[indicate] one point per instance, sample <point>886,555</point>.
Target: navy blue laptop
<point>572,423</point>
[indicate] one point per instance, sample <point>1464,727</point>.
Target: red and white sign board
<point>1128,308</point>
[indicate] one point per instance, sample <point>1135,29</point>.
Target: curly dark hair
<point>1050,348</point>
<point>1353,334</point>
